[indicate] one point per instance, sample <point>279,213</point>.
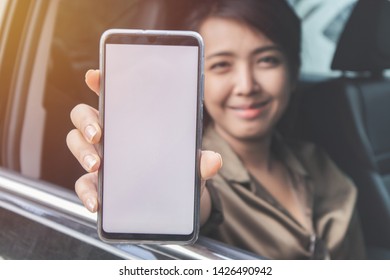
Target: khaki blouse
<point>246,215</point>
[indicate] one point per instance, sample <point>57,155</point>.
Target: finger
<point>92,79</point>
<point>83,151</point>
<point>86,189</point>
<point>86,119</point>
<point>210,163</point>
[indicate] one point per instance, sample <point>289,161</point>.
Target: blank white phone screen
<point>150,118</point>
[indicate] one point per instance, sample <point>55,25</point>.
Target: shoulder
<point>321,169</point>
<point>309,154</point>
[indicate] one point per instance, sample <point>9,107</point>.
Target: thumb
<point>210,163</point>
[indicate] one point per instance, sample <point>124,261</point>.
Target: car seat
<point>350,116</point>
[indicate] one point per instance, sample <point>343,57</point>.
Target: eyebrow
<point>254,52</point>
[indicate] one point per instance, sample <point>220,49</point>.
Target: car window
<point>74,43</point>
<point>322,24</point>
<point>73,49</point>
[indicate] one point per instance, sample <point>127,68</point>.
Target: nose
<point>245,82</point>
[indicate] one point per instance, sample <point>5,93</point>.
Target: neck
<point>254,153</point>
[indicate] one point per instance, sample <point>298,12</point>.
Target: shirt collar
<point>284,150</point>
<point>233,168</point>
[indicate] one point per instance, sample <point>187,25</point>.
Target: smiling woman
<point>47,46</point>
<point>279,198</point>
<point>239,64</point>
<point>264,197</point>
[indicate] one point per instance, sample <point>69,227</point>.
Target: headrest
<point>364,44</point>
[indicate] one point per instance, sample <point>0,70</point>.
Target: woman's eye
<point>220,66</point>
<point>268,61</point>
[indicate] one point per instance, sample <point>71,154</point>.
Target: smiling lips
<point>250,111</point>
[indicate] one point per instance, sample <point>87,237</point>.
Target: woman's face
<point>247,81</point>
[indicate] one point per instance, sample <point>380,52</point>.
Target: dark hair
<point>274,18</point>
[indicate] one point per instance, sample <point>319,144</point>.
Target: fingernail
<point>90,132</point>
<point>90,203</point>
<point>89,162</point>
<point>88,72</point>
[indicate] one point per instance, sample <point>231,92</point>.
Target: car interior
<point>348,116</point>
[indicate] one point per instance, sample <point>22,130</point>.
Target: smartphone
<point>150,105</point>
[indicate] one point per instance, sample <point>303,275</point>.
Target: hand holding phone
<point>150,105</point>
